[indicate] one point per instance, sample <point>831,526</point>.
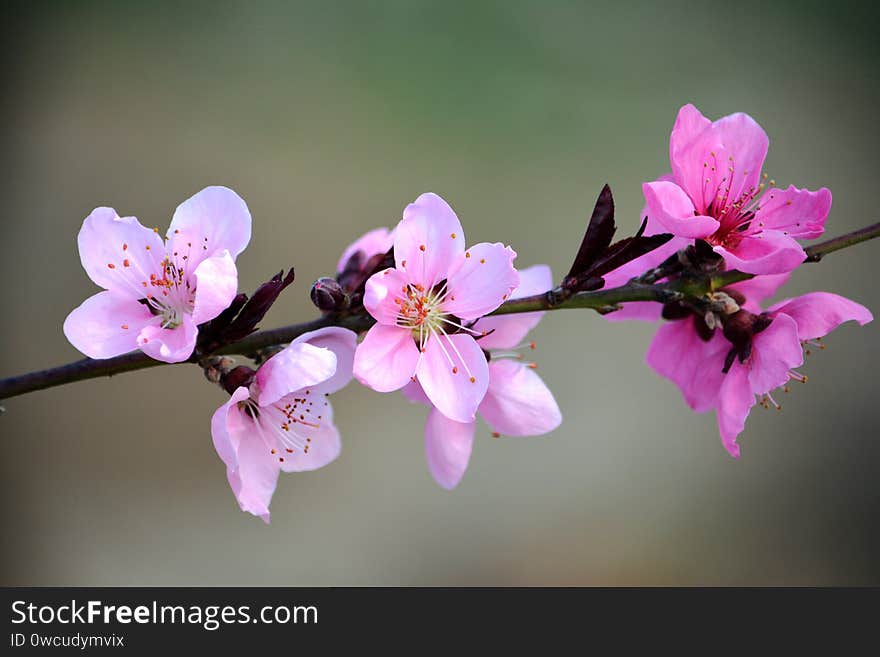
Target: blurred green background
<point>328,118</point>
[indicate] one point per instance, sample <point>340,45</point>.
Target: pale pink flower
<point>717,374</point>
<point>517,402</point>
<point>283,421</point>
<point>156,293</point>
<point>374,242</point>
<point>423,306</point>
<point>716,192</point>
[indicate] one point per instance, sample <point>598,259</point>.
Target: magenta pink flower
<point>156,293</point>
<point>517,402</point>
<point>283,421</point>
<point>718,374</point>
<point>716,192</point>
<point>422,307</point>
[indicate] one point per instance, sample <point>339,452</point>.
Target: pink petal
<point>167,344</point>
<point>454,375</point>
<point>775,351</point>
<point>480,280</point>
<point>106,325</point>
<point>386,359</point>
<point>254,479</point>
<point>297,366</point>
<point>226,443</point>
<point>118,253</point>
<point>324,448</point>
<point>342,343</point>
<point>735,400</point>
<point>382,290</point>
<point>759,288</point>
<point>210,222</point>
<point>769,252</point>
<point>427,240</point>
<point>414,393</point>
<point>744,150</point>
<point>379,240</point>
<point>508,331</point>
<point>518,403</point>
<point>671,207</point>
<point>799,212</point>
<point>680,355</point>
<point>819,313</point>
<point>216,286</point>
<point>448,447</point>
<point>689,124</point>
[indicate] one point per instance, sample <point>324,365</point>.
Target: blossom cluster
<point>430,299</point>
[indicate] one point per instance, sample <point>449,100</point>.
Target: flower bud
<point>328,295</point>
<point>241,376</point>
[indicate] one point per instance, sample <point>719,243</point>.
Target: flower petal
<point>118,253</point>
<point>448,446</point>
<point>342,343</point>
<point>167,344</point>
<point>741,158</point>
<point>679,354</point>
<point>758,289</point>
<point>819,313</point>
<point>799,212</point>
<point>386,359</point>
<point>379,240</point>
<point>775,351</point>
<point>689,124</point>
<point>382,295</point>
<point>770,252</point>
<point>254,479</point>
<point>428,239</point>
<point>297,366</point>
<point>480,280</point>
<point>454,375</point>
<point>216,286</point>
<point>670,206</point>
<point>414,393</point>
<point>106,325</point>
<point>507,331</point>
<point>226,442</point>
<point>735,400</point>
<point>324,447</point>
<point>212,221</point>
<point>518,402</point>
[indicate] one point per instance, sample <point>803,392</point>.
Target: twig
<point>600,300</point>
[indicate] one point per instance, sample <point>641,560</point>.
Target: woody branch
<point>603,300</point>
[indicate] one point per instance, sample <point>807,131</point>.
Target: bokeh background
<point>328,118</point>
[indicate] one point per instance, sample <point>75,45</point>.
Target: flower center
<point>287,427</point>
<point>421,310</point>
<point>735,213</point>
<point>172,295</point>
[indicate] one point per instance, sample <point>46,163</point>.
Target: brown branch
<point>600,300</point>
